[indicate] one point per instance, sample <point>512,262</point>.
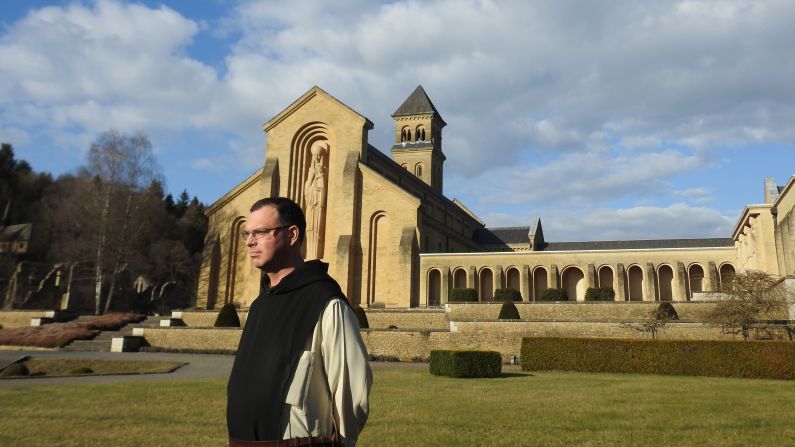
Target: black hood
<point>303,275</point>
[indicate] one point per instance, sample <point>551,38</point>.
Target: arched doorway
<point>574,283</point>
<point>434,287</point>
<point>696,278</point>
<point>486,285</point>
<point>606,277</point>
<point>665,277</point>
<point>512,279</point>
<point>459,278</point>
<point>635,282</point>
<point>539,282</point>
<point>726,276</point>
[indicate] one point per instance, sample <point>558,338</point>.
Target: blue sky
<point>609,120</point>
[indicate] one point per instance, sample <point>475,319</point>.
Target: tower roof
<point>417,103</point>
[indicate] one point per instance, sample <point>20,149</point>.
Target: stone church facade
<point>392,238</point>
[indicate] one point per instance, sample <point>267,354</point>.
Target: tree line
<point>111,222</point>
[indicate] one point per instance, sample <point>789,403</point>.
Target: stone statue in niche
<point>315,200</point>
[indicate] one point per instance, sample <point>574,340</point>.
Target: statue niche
<point>315,192</point>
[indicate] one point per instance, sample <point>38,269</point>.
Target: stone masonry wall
<point>190,338</point>
<point>407,319</point>
<point>611,311</point>
<point>203,318</point>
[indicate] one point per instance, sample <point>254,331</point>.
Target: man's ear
<point>294,235</point>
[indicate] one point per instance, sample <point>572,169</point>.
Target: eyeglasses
<point>259,233</point>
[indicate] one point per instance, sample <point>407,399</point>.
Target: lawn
<point>411,407</point>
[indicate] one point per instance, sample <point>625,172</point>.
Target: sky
<point>608,120</point>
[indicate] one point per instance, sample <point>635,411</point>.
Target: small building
<point>15,239</point>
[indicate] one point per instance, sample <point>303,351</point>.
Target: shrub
<point>82,370</point>
<point>665,312</point>
<point>717,358</point>
<point>463,295</point>
<point>227,316</point>
<point>361,317</point>
<point>15,369</point>
<point>466,363</point>
<point>600,294</point>
<point>508,311</point>
<point>507,295</point>
<point>554,295</point>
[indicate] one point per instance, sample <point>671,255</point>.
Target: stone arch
<point>665,280</point>
<point>434,287</point>
<point>301,158</point>
<point>726,273</point>
<point>418,170</point>
<point>459,278</point>
<point>606,277</point>
<point>695,278</point>
<point>419,133</point>
<point>486,284</point>
<point>405,166</point>
<point>214,271</point>
<point>635,283</point>
<point>405,134</point>
<point>377,251</point>
<point>573,280</point>
<point>539,282</point>
<point>513,279</point>
<point>235,251</point>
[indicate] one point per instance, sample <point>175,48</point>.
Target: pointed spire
<point>417,103</point>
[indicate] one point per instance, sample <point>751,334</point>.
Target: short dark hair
<point>289,213</point>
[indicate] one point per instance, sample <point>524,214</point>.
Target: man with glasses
<point>300,376</point>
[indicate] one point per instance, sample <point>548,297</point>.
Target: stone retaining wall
<point>204,318</point>
<point>209,339</point>
<point>18,318</point>
<point>602,311</point>
<point>407,319</point>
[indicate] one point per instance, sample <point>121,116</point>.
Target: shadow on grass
<point>511,375</point>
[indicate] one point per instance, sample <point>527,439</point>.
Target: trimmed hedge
<point>749,359</point>
<point>466,295</point>
<point>665,311</point>
<point>82,370</point>
<point>361,316</point>
<point>507,295</point>
<point>508,311</point>
<point>554,295</point>
<point>227,316</point>
<point>600,294</point>
<point>466,363</point>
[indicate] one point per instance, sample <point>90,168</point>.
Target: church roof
<point>417,103</point>
<point>640,244</point>
<point>502,236</point>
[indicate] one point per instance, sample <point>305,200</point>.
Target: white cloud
<point>577,102</point>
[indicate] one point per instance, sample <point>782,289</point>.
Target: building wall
<point>578,270</point>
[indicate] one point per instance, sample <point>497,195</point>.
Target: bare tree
<point>750,298</point>
<point>123,166</point>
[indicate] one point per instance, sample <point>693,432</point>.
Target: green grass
<point>411,407</point>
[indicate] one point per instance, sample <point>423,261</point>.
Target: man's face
<point>265,250</point>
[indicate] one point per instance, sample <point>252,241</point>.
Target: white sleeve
<point>347,368</point>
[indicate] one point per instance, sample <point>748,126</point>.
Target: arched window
<point>422,134</point>
<point>418,170</point>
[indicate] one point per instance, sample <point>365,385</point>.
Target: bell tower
<point>418,139</point>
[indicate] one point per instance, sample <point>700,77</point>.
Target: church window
<point>417,135</point>
<point>418,170</point>
<point>422,134</point>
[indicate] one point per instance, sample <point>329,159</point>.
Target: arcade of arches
<point>392,238</point>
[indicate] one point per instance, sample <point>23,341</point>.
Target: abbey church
<point>392,238</point>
